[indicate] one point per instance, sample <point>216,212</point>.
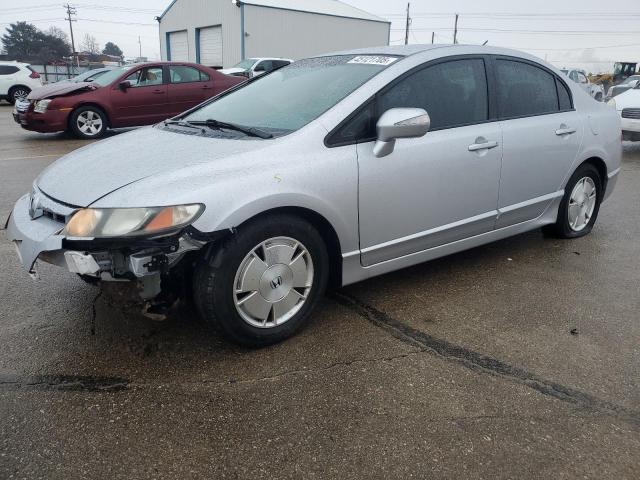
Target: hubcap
<point>89,123</point>
<point>582,204</point>
<point>20,94</point>
<point>273,282</point>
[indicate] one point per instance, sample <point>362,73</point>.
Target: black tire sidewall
<point>562,225</point>
<point>73,122</point>
<point>214,282</point>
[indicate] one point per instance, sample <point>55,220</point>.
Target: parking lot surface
<point>519,359</point>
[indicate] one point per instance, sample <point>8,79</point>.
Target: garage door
<point>179,46</point>
<point>211,46</point>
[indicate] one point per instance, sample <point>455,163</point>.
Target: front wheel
<point>261,285</point>
<point>580,205</point>
<point>88,122</point>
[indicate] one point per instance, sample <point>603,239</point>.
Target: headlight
<point>612,103</point>
<point>41,106</point>
<point>126,222</point>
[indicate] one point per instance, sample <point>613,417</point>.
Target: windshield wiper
<point>250,131</point>
<point>182,123</point>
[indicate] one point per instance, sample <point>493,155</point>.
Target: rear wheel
<point>598,97</point>
<point>18,93</point>
<point>88,122</point>
<point>261,285</point>
<point>580,205</point>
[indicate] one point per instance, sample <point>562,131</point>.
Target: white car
<point>253,67</point>
<point>580,77</point>
<point>17,80</point>
<point>627,105</point>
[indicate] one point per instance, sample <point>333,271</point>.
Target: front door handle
<point>482,146</point>
<point>158,92</point>
<point>564,130</point>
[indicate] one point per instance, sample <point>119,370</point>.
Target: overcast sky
<point>591,34</point>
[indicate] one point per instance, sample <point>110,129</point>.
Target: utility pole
<point>140,44</point>
<point>406,31</point>
<point>72,11</point>
<point>455,31</point>
<point>433,36</point>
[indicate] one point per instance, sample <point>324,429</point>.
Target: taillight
<point>34,75</point>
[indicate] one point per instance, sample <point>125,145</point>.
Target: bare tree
<point>90,44</point>
<point>56,32</point>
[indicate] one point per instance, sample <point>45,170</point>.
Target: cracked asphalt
<point>465,367</point>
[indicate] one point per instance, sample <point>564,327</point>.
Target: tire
<point>565,227</point>
<point>598,97</point>
<point>88,122</point>
<point>18,92</point>
<point>239,264</point>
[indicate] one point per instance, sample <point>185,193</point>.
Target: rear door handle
<point>482,146</point>
<point>565,131</point>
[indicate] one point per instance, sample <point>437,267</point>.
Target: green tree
<point>111,48</point>
<point>24,41</point>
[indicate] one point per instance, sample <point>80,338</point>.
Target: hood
<point>85,175</point>
<point>628,99</point>
<point>229,71</point>
<point>61,88</point>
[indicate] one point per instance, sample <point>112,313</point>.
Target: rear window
<point>524,90</point>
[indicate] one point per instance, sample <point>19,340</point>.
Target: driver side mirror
<point>124,85</point>
<point>399,123</point>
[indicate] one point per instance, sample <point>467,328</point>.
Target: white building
<point>220,33</point>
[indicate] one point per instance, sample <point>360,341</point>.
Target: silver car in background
<point>328,171</point>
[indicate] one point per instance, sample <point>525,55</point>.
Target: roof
<point>323,7</point>
<point>399,50</point>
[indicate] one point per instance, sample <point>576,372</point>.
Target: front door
<point>146,100</point>
<point>439,188</point>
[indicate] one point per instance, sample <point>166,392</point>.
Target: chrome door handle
<point>565,131</point>
<point>482,146</point>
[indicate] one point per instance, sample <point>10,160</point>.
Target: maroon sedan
<point>133,95</point>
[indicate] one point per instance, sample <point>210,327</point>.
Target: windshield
<point>88,76</point>
<point>291,97</point>
<point>246,64</point>
<point>112,75</point>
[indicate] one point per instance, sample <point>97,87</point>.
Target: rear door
<point>7,77</point>
<point>541,135</point>
<point>145,102</point>
<point>188,87</point>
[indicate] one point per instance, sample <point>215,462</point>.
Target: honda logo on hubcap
<point>276,282</point>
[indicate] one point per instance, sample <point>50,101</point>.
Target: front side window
<point>146,77</point>
<point>524,89</point>
<point>453,93</point>
<point>291,97</point>
<point>182,74</point>
<point>112,75</point>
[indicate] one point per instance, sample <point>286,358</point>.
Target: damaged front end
<point>153,243</point>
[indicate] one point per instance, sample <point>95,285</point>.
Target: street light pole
<point>406,32</point>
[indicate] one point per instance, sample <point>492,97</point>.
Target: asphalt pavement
<point>516,360</point>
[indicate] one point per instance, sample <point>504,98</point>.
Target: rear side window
<point>8,69</point>
<point>453,93</point>
<point>524,90</point>
<point>182,74</point>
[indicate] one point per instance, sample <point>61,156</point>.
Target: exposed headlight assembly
<point>41,106</point>
<point>128,222</point>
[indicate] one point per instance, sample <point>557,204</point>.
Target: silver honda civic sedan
<point>328,171</point>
